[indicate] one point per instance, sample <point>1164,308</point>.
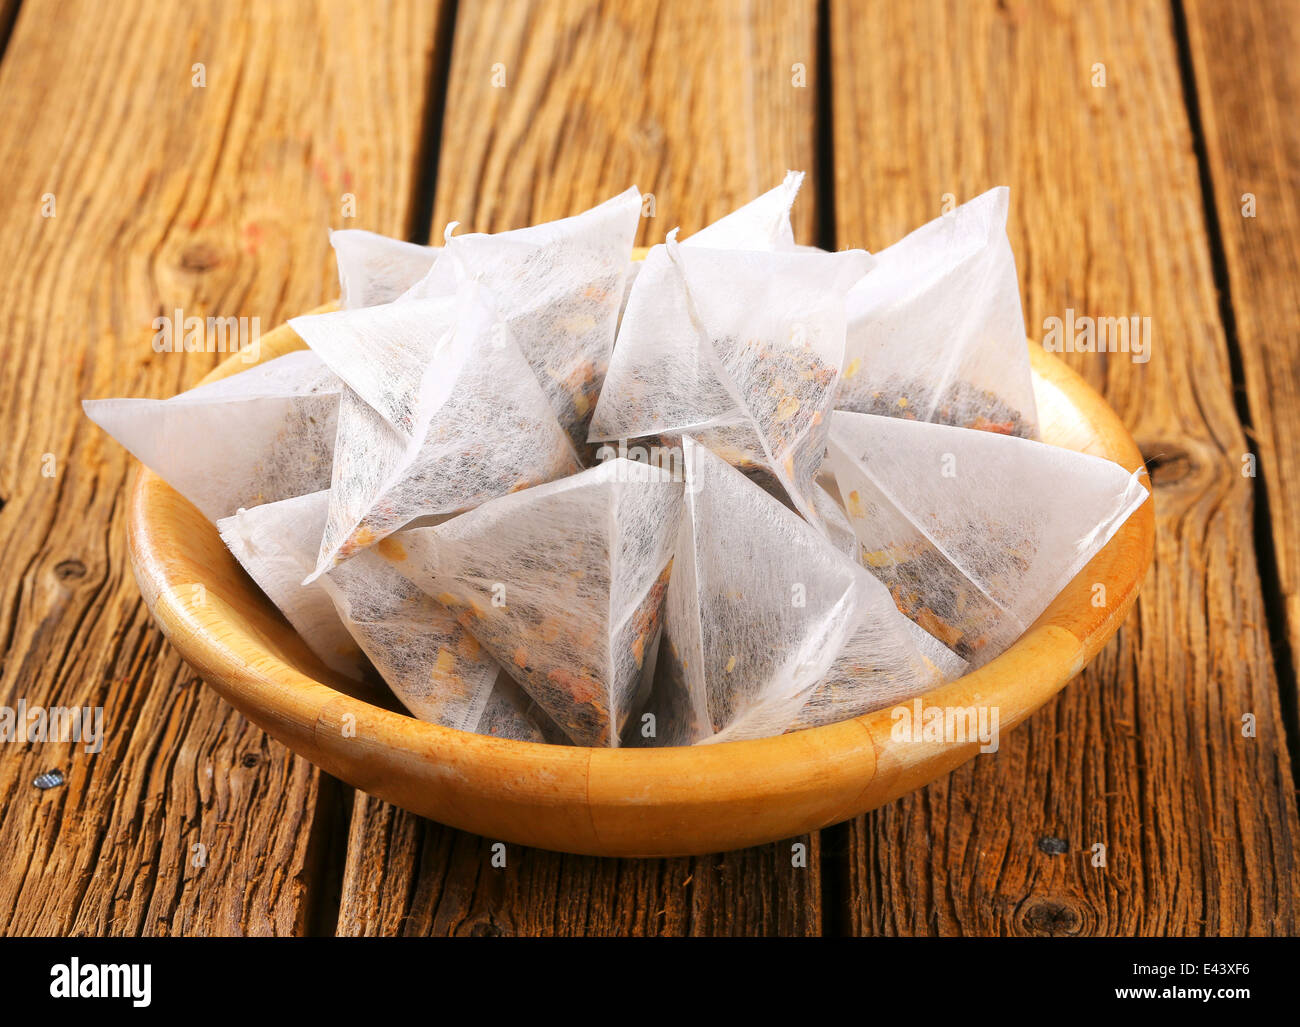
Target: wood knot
<point>647,133</point>
<point>200,256</point>
<point>250,759</point>
<point>1168,463</point>
<point>485,929</point>
<point>1050,918</point>
<point>69,570</point>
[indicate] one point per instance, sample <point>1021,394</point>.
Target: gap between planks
<point>1266,555</point>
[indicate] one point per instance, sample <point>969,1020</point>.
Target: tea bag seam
<point>699,696</point>
<point>724,379</point>
<point>409,453</point>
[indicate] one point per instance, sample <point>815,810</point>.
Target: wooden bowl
<point>614,802</point>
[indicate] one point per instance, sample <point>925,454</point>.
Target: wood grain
<point>695,104</point>
<point>1144,753</point>
<point>1247,87</point>
<point>215,200</point>
<point>409,876</point>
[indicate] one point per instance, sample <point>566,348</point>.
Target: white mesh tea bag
<point>400,358</point>
<point>764,616</point>
<point>973,532</point>
<point>511,713</point>
<point>375,269</point>
<point>761,224</point>
<point>254,437</point>
<point>563,584</point>
<point>276,544</point>
<point>490,431</point>
<point>740,349</point>
<point>436,668</point>
<point>936,332</point>
<point>559,285</point>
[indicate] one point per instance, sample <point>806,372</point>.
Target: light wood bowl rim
<point>610,802</point>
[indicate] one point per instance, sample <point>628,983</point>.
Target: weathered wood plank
<point>1144,753</point>
<point>1247,88</point>
<point>696,104</point>
<point>410,876</point>
<point>213,199</point>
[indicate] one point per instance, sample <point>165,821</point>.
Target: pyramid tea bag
<point>399,358</point>
<point>936,332</point>
<point>761,224</point>
<point>490,430</point>
<point>276,544</point>
<point>741,349</point>
<point>254,437</point>
<point>559,285</point>
<point>436,668</point>
<point>563,583</point>
<point>974,533</point>
<point>764,615</point>
<point>375,269</point>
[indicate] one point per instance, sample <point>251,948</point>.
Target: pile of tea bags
<point>740,488</point>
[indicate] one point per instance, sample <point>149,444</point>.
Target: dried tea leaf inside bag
<point>741,349</point>
<point>511,713</point>
<point>563,584</point>
<point>974,533</point>
<point>436,668</point>
<point>375,269</point>
<point>860,681</point>
<point>936,331</point>
<point>764,616</point>
<point>559,285</point>
<point>491,432</point>
<point>254,437</point>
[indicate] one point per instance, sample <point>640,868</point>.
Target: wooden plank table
<point>209,189</point>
